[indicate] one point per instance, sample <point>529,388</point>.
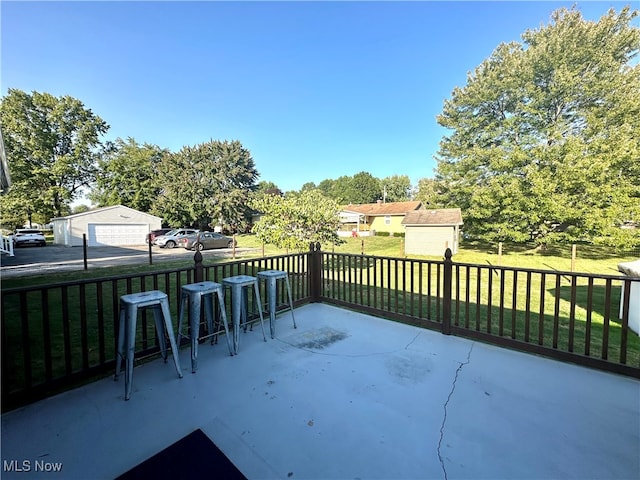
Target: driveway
<point>39,260</point>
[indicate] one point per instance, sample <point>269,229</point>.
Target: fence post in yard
<point>314,265</point>
<point>84,250</point>
<point>446,296</point>
<point>199,270</point>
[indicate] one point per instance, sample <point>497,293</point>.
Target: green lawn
<point>596,260</point>
<point>589,259</point>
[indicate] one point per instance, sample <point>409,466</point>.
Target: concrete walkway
<point>346,396</point>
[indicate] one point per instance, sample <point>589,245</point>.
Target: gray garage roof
<point>101,210</point>
<point>442,216</point>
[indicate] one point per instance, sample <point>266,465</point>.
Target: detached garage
<point>431,232</point>
<point>117,225</point>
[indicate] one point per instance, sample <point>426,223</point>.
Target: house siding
<point>430,240</point>
<point>394,226</point>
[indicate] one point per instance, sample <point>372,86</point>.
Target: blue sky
<point>314,90</point>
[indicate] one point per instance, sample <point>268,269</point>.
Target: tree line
<point>56,153</point>
<point>543,145</point>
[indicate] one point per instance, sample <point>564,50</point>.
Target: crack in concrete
<point>444,419</point>
<point>411,342</point>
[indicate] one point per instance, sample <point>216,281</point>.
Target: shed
<point>431,232</point>
<point>115,225</point>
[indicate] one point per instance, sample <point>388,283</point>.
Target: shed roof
<point>442,216</point>
<point>391,208</point>
<point>99,210</point>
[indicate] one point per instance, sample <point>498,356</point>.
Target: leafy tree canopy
<point>545,135</point>
<point>364,188</point>
<point>206,185</point>
<point>268,188</point>
<point>297,219</point>
<point>428,192</point>
<point>128,175</point>
<point>52,146</point>
<point>396,188</point>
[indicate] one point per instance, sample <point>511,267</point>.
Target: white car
<point>170,239</point>
<point>26,236</point>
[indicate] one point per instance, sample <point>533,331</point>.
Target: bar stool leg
<point>271,292</point>
<point>259,302</point>
<point>223,314</point>
<point>237,307</point>
<point>172,339</point>
<point>286,279</point>
<point>194,326</point>
<point>245,308</point>
<point>183,301</point>
<point>157,317</point>
<point>208,301</point>
<point>130,340</point>
<point>121,335</point>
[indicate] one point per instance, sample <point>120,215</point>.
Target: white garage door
<point>101,234</point>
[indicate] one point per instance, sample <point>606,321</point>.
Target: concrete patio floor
<point>346,396</point>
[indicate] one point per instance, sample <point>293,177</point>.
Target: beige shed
<point>431,232</point>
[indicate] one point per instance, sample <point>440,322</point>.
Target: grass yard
<point>589,259</point>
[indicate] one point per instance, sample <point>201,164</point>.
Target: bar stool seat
<point>130,304</point>
<point>271,278</point>
<point>239,285</point>
<point>197,294</point>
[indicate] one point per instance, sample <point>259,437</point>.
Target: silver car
<point>206,240</point>
<point>170,239</point>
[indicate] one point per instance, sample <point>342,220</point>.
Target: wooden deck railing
<point>575,317</point>
<point>56,336</point>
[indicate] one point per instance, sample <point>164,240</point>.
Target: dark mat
<point>194,456</point>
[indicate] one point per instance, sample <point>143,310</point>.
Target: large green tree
<point>297,219</point>
<point>396,188</point>
<point>545,140</point>
<point>128,175</point>
<point>359,188</point>
<point>52,146</point>
<point>362,188</point>
<point>427,192</point>
<point>207,185</point>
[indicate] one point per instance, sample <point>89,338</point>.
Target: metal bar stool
<point>129,306</point>
<point>197,294</point>
<point>238,305</point>
<point>271,278</point>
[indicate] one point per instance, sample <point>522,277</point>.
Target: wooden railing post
<point>84,250</point>
<point>199,269</point>
<point>315,272</point>
<point>446,295</point>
